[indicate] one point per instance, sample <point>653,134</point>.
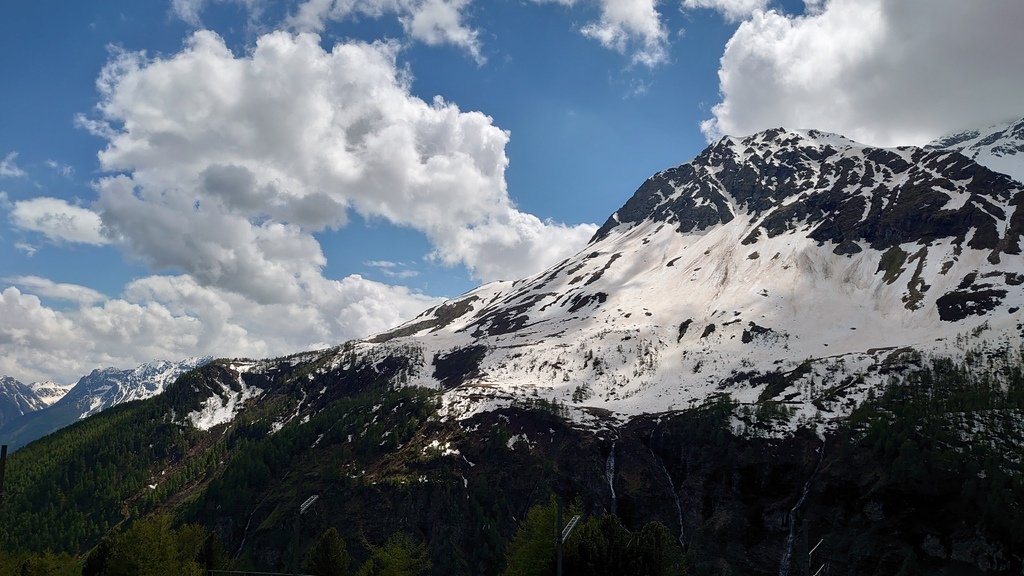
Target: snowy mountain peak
<point>999,147</point>
<point>17,399</point>
<point>49,391</point>
<point>763,265</point>
<point>833,191</point>
<point>106,387</point>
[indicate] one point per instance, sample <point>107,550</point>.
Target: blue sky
<point>136,222</point>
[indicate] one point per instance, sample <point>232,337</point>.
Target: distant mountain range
<point>28,412</point>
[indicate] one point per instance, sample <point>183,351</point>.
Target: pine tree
<point>400,556</point>
<point>329,557</point>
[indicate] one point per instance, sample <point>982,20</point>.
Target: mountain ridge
<point>97,391</point>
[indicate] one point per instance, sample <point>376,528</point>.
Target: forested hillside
<point>926,477</point>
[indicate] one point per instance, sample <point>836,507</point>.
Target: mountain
<point>17,399</point>
<point>766,264</point>
<point>999,147</point>
<point>49,391</point>
<point>792,348</point>
<point>97,391</point>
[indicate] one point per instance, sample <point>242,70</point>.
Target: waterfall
<point>787,555</point>
<point>675,494</point>
<point>609,473</point>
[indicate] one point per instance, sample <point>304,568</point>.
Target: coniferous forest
<point>927,472</point>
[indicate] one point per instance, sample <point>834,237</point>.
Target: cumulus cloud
<point>633,27</point>
<point>432,22</point>
<point>9,167</point>
<point>175,317</point>
<point>222,169</point>
<point>227,165</point>
<point>884,72</point>
<point>58,220</point>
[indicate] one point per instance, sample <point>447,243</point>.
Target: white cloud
<point>60,291</point>
<point>733,10</point>
<point>230,164</point>
<point>223,169</point>
<point>174,317</point>
<point>64,170</point>
<point>58,220</point>
<point>9,167</point>
<point>190,11</point>
<point>432,22</point>
<point>397,270</point>
<point>633,27</point>
<point>884,72</point>
<point>27,248</point>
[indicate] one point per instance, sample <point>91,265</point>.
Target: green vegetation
<point>399,556</point>
<point>931,464</point>
<point>599,546</point>
<point>329,557</point>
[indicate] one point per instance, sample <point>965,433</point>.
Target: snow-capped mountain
<point>17,399</point>
<point>106,387</point>
<point>793,266</point>
<point>97,391</point>
<point>999,147</point>
<point>49,391</point>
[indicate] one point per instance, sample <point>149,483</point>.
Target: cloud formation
<point>9,167</point>
<point>433,22</point>
<point>733,10</point>
<point>173,317</point>
<point>632,27</point>
<point>227,165</point>
<point>884,72</point>
<point>58,291</point>
<point>58,220</point>
<point>221,171</point>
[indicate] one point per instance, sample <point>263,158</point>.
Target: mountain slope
<point>766,264</point>
<point>97,391</point>
<point>999,147</point>
<point>49,392</point>
<point>17,399</point>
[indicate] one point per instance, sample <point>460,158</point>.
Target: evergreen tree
<point>152,548</point>
<point>532,549</point>
<point>329,557</point>
<point>400,556</point>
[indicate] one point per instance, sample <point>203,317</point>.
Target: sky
<point>259,177</point>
